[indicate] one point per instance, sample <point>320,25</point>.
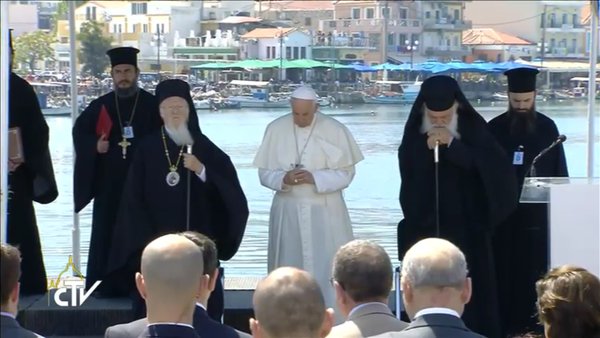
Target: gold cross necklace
<point>173,176</point>
<point>124,143</point>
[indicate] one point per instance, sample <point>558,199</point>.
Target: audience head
<point>569,303</point>
<point>171,270</point>
<point>434,274</point>
<point>210,260</point>
<point>10,272</point>
<point>362,272</point>
<point>289,303</point>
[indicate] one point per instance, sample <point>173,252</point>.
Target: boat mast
<point>595,12</point>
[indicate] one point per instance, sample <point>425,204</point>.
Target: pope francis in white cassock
<point>307,158</point>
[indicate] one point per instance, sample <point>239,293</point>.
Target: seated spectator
<point>169,282</point>
<point>435,289</point>
<point>363,278</point>
<point>288,303</point>
<point>10,272</point>
<point>204,325</point>
<point>569,303</point>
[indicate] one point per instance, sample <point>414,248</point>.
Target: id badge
<point>128,132</point>
<point>518,158</point>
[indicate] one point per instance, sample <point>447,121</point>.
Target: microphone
<point>436,152</point>
<point>560,139</point>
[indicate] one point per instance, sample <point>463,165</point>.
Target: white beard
<point>180,135</point>
<point>452,127</point>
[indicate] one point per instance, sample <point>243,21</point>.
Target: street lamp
<point>542,49</point>
<point>282,38</point>
<point>411,46</point>
<point>157,38</point>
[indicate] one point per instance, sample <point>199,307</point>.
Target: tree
<point>62,12</point>
<point>94,45</point>
<point>33,47</point>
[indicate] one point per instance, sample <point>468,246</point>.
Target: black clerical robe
<point>151,208</point>
<point>521,242</point>
<point>101,176</point>
<point>477,191</point>
<point>32,181</point>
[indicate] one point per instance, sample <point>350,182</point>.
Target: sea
<point>372,198</point>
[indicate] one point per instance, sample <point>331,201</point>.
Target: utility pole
<point>158,46</point>
<point>385,37</point>
<point>544,24</point>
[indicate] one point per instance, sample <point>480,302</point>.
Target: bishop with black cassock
<point>31,178</point>
<point>521,243</point>
<point>155,197</point>
<point>106,135</point>
<point>477,189</point>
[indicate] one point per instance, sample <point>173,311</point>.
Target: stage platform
<point>43,316</point>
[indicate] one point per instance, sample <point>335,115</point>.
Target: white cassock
<point>308,223</point>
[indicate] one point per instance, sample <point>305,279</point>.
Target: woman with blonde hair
<point>569,303</point>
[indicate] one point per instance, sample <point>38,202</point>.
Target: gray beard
<point>126,92</point>
<point>452,127</point>
<point>181,135</point>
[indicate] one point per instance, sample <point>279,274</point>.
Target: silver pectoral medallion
<point>172,178</point>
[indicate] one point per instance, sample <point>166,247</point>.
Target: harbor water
<point>372,198</point>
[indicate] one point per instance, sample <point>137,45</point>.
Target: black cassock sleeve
<point>134,229</point>
<point>27,115</point>
<point>478,152</point>
<point>496,174</point>
<point>84,140</point>
<point>226,199</point>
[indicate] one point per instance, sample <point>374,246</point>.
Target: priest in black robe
<point>521,243</point>
<point>477,189</point>
<point>106,135</point>
<point>163,172</point>
<point>31,178</point>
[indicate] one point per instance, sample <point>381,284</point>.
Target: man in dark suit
<point>289,303</point>
<point>10,266</point>
<point>435,289</point>
<point>203,324</point>
<point>363,278</point>
<point>172,270</point>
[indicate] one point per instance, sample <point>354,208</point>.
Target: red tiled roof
<point>586,14</point>
<point>490,36</point>
<point>264,33</point>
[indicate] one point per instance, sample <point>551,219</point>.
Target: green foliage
<point>62,12</point>
<point>94,45</point>
<point>33,47</point>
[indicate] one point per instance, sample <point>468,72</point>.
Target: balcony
<point>324,42</point>
<point>120,37</point>
<point>447,51</point>
<point>370,25</point>
<point>565,28</point>
<point>447,24</point>
<point>563,52</point>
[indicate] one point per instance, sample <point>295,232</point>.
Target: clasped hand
<point>440,134</point>
<point>192,163</point>
<point>298,176</point>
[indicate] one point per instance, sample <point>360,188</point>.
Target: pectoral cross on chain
<point>124,144</point>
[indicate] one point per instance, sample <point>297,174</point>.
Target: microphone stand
<point>436,160</point>
<point>188,191</point>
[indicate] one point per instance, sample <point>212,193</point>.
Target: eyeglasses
<point>332,280</point>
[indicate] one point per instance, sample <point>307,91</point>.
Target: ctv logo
<point>73,286</point>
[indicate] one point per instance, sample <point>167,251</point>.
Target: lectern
<point>573,220</point>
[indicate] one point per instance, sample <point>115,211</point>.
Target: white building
<point>219,10</point>
<point>22,18</point>
<point>269,43</point>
